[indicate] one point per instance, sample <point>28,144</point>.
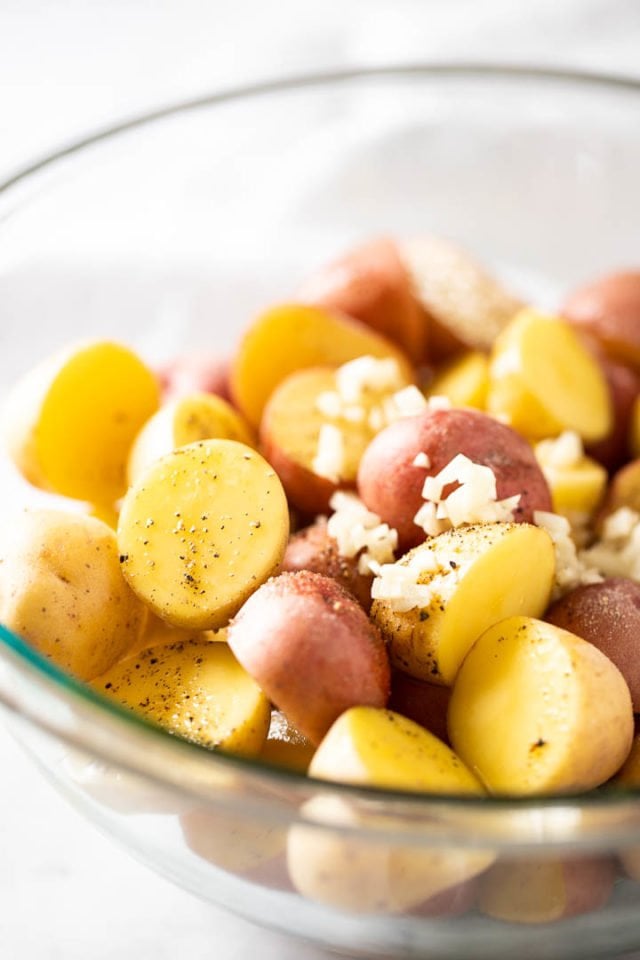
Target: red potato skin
<point>372,285</point>
<point>313,549</point>
<point>608,616</point>
<point>424,703</point>
<point>609,310</point>
<point>624,387</point>
<point>453,902</point>
<point>194,373</point>
<point>391,486</point>
<point>312,649</point>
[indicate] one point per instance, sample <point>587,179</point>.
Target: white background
<point>66,67</point>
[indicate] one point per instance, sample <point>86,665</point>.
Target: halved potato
<point>464,381</point>
<point>537,710</point>
<point>460,582</point>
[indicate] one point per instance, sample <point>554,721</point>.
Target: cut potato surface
<point>544,381</point>
<point>537,710</point>
<point>201,530</point>
<point>70,423</point>
<point>196,690</point>
<point>374,747</point>
<point>291,337</point>
<point>198,416</point>
<point>460,583</point>
<point>464,381</point>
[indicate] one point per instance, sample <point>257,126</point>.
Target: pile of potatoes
<point>197,578</point>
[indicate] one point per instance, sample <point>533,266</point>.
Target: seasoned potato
<point>201,530</point>
<point>424,703</point>
<point>624,388</point>
<point>464,381</point>
<point>608,616</point>
<point>460,583</point>
<point>157,633</point>
<point>543,380</point>
<point>535,709</point>
<point>545,890</point>
<point>312,649</point>
<point>313,549</point>
<point>69,423</point>
<point>466,307</point>
<point>372,285</point>
<point>61,589</point>
<point>608,309</point>
<point>194,689</point>
<point>197,416</point>
<point>197,372</point>
<point>285,746</point>
<point>390,482</point>
<point>313,337</point>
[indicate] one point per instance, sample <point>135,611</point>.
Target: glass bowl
<point>170,232</point>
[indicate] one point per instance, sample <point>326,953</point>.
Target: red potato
<point>312,650</point>
<point>391,484</point>
<point>624,388</point>
<point>424,703</point>
<point>198,372</point>
<point>608,309</point>
<point>313,549</point>
<point>608,616</point>
<point>372,285</point>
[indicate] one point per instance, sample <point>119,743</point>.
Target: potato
<point>537,710</point>
<point>197,372</point>
<point>577,482</point>
<point>201,530</point>
<point>543,380</point>
<point>608,309</point>
<point>628,777</point>
<point>313,337</point>
<point>157,633</point>
<point>608,616</point>
<point>634,429</point>
<point>391,484</point>
<point>373,747</point>
<point>197,416</point>
<point>424,703</point>
<point>312,649</point>
<point>545,890</point>
<point>465,306</point>
<point>313,549</point>
<point>62,590</point>
<point>196,690</point>
<point>69,423</point>
<point>470,579</point>
<point>464,381</point>
<point>285,746</point>
<point>232,841</point>
<point>372,285</point>
<point>452,902</point>
<point>623,491</point>
<point>624,388</point>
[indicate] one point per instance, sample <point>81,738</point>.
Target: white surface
<point>66,67</point>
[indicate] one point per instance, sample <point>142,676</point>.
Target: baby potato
<point>285,746</point>
<point>608,309</point>
<point>201,530</point>
<point>460,582</point>
<point>185,420</point>
<point>197,372</point>
<point>372,285</point>
<point>313,337</point>
<point>69,423</point>
<point>464,381</point>
<point>538,710</point>
<point>313,549</point>
<point>624,389</point>
<point>196,690</point>
<point>312,649</point>
<point>390,483</point>
<point>608,616</point>
<point>545,890</point>
<point>424,703</point>
<point>543,380</point>
<point>233,841</point>
<point>577,485</point>
<point>623,491</point>
<point>62,590</point>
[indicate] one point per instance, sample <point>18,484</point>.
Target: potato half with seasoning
<point>194,689</point>
<point>201,530</point>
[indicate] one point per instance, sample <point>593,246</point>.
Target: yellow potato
<point>198,416</point>
<point>201,530</point>
<point>374,747</point>
<point>576,488</point>
<point>464,381</point>
<point>61,589</point>
<point>194,689</point>
<point>69,423</point>
<point>233,841</point>
<point>294,336</point>
<point>536,710</point>
<point>543,380</point>
<point>157,633</point>
<point>473,577</point>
